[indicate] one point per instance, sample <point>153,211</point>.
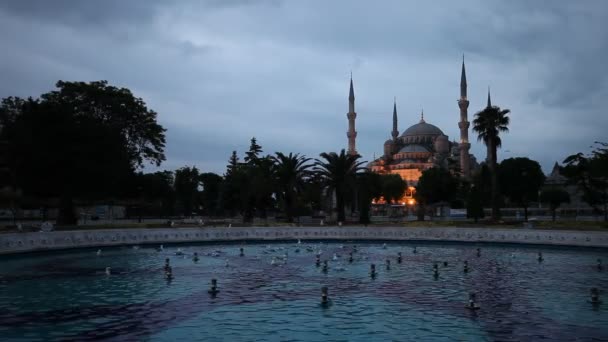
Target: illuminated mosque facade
<point>421,146</point>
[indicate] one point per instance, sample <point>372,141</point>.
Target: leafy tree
<point>589,173</point>
<point>393,187</point>
<point>312,193</point>
<point>10,108</point>
<point>187,182</point>
<point>55,154</point>
<point>520,180</point>
<point>9,194</point>
<point>261,185</point>
<point>369,185</point>
<point>489,123</point>
<point>119,109</point>
<point>291,172</point>
<point>339,174</point>
<point>88,137</point>
<point>554,197</point>
<point>155,191</point>
<point>249,186</point>
<point>210,196</point>
<point>434,186</point>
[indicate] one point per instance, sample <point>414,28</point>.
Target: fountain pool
<point>273,293</point>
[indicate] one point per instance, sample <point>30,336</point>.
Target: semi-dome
<point>422,128</point>
<point>442,145</point>
<point>413,148</point>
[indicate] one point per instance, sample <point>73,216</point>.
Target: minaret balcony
<point>464,124</point>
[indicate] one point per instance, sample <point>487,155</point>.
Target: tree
<point>231,187</point>
<point>210,196</point>
<point>54,154</point>
<point>10,108</point>
<point>233,164</point>
<point>261,185</point>
<point>489,123</point>
<point>249,186</point>
<point>290,172</point>
<point>187,182</point>
<point>589,173</point>
<point>155,191</point>
<point>9,194</point>
<point>393,187</point>
<point>119,109</point>
<point>311,199</point>
<point>89,137</point>
<point>435,185</point>
<point>475,204</point>
<point>520,180</point>
<point>339,174</point>
<point>554,197</point>
<point>369,186</point>
<point>254,152</point>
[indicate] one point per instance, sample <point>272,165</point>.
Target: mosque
<point>421,146</point>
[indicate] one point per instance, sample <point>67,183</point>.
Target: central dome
<point>422,128</point>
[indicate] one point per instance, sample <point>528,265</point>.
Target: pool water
<point>67,296</point>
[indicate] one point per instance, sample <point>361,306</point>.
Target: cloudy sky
<point>219,72</point>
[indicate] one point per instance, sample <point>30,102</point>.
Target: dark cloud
<point>221,71</point>
<point>84,14</point>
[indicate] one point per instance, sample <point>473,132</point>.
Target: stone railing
<point>37,241</point>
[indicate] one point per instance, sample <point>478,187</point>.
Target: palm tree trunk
<point>493,169</point>
<point>489,153</point>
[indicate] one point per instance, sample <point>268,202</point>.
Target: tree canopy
<point>291,172</point>
<point>392,187</point>
<point>82,141</point>
<point>489,123</point>
<point>590,174</point>
<point>520,180</point>
<point>339,174</point>
<point>434,186</point>
<point>187,182</point>
<point>554,197</point>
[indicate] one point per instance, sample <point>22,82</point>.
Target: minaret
<point>464,124</point>
<point>489,100</point>
<point>351,115</point>
<point>395,132</point>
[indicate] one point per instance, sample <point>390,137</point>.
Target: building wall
<point>40,241</point>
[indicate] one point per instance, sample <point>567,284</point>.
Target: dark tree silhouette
<point>291,172</point>
<point>520,180</point>
<point>339,174</point>
<point>489,123</point>
<point>554,197</point>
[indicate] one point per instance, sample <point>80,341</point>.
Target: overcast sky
<point>219,72</point>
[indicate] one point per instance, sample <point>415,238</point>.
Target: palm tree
<point>339,174</point>
<point>290,172</point>
<point>489,123</point>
